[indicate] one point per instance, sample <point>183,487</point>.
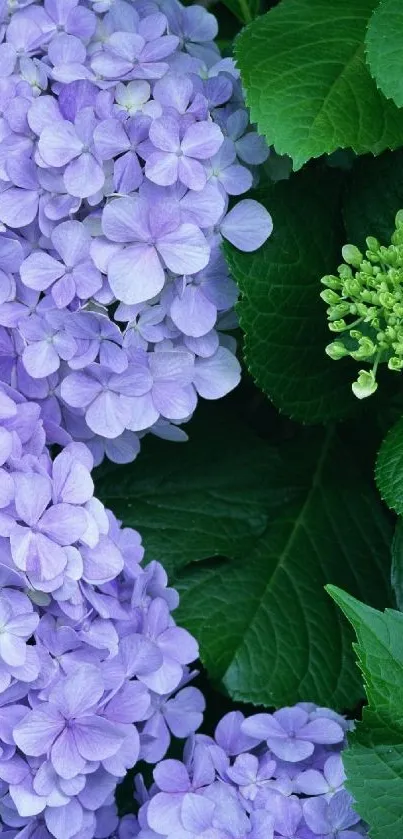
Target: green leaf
<point>208,497</point>
<point>373,197</point>
<point>307,84</point>
<point>374,759</point>
<point>272,526</point>
<point>389,468</point>
<point>266,629</point>
<point>384,44</point>
<point>280,310</point>
<point>244,10</point>
<point>397,564</point>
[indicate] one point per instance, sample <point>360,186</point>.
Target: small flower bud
<point>337,325</point>
<point>330,297</point>
<point>365,384</point>
<point>336,350</point>
<point>331,281</point>
<point>352,255</point>
<point>366,349</point>
<point>395,363</point>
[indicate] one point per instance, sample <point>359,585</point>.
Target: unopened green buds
<point>365,307</point>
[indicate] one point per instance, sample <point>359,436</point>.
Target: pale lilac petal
<point>72,240</point>
<point>143,413</point>
<point>174,91</point>
<point>192,313</point>
<point>247,225</point>
<point>125,220</point>
<point>32,495</point>
<point>39,270</point>
<point>163,813</point>
<point>108,415</point>
<point>162,168</point>
<point>136,274</point>
<point>172,776</point>
<point>12,649</point>
<point>203,208</point>
<point>216,376</point>
<point>202,140</point>
<point>127,173</point>
<point>102,563</point>
<point>192,173</point>
<point>97,738</point>
<point>8,57</point>
<point>40,359</point>
<point>35,734</point>
<point>197,813</point>
<point>236,179</point>
<point>164,134</point>
<point>64,822</point>
<point>110,139</point>
<point>84,176</point>
<point>65,523</point>
<point>65,756</point>
<point>185,251</point>
<point>18,207</point>
<point>322,730</point>
<point>58,144</point>
<point>79,389</point>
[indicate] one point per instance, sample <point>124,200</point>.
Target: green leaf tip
<point>365,308</point>
<point>374,758</point>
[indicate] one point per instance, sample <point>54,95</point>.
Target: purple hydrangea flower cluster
<point>124,140</point>
<point>93,670</point>
<point>268,776</point>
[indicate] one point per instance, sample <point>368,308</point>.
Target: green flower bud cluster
<point>365,307</point>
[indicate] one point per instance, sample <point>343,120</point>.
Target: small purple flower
<point>76,275</point>
<point>333,818</point>
<point>69,726</point>
<point>128,55</point>
<point>177,158</point>
<point>153,238</point>
<point>40,534</point>
<point>290,734</point>
<point>106,396</point>
<point>65,144</point>
<point>46,343</point>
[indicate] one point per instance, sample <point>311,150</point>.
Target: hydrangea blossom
<point>124,141</point>
<point>269,776</point>
<point>93,670</point>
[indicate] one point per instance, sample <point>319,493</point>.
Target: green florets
<point>365,307</point>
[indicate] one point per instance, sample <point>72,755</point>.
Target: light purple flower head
<point>234,786</point>
<point>93,669</point>
<point>123,140</point>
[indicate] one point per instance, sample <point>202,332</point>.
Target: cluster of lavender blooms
<point>93,669</point>
<point>123,138</point>
<point>268,776</point>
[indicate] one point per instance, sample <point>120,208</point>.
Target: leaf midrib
<point>291,538</point>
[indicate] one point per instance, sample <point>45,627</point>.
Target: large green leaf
<point>384,44</point>
<point>389,468</point>
<point>273,526</point>
<point>266,628</point>
<point>307,83</point>
<point>280,310</point>
<point>373,197</point>
<point>374,759</point>
<point>208,497</point>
